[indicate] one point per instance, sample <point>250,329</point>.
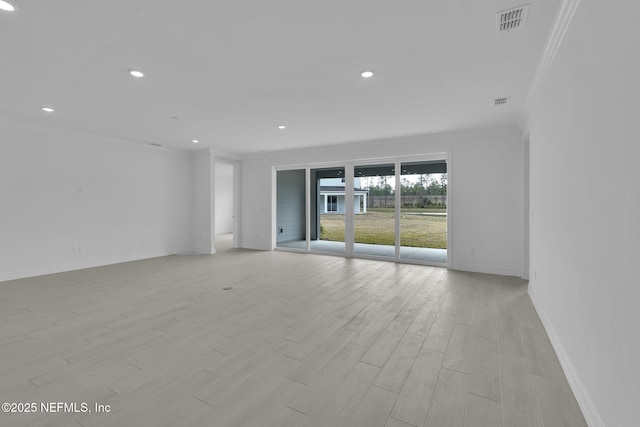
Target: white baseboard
<point>589,410</point>
<point>484,269</point>
<point>61,268</point>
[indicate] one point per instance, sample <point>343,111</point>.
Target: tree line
<point>427,185</point>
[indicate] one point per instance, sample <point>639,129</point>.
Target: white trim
<point>450,190</point>
<point>589,410</point>
<point>349,223</point>
<point>80,265</point>
<point>237,206</point>
<point>398,208</point>
<point>274,207</point>
<point>500,271</point>
<point>559,28</point>
<point>237,195</point>
<point>526,207</point>
<point>307,208</point>
<point>426,157</point>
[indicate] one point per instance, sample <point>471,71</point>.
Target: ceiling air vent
<point>512,19</point>
<point>499,101</point>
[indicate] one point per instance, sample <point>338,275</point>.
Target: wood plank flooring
<point>300,340</point>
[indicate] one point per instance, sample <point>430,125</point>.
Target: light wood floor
<point>300,340</point>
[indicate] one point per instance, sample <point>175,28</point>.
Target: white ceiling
<point>232,70</point>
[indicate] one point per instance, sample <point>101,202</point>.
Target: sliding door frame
<point>349,236</point>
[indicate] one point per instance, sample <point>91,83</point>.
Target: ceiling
<point>228,72</point>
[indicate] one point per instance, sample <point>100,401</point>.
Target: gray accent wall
<point>290,211</point>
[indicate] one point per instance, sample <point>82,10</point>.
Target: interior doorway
<point>225,189</point>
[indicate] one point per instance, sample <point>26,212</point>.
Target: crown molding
<point>559,28</point>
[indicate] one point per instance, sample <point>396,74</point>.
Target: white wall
<point>584,252</point>
<point>203,172</point>
<point>59,190</point>
<point>224,198</point>
<point>485,174</point>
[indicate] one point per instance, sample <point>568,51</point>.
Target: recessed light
<point>367,74</point>
<point>282,127</point>
<point>195,141</point>
<point>47,109</point>
<point>7,7</point>
<point>136,73</point>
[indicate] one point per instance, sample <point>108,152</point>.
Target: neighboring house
<point>332,196</point>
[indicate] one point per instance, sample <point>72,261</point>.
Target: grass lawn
<point>377,227</point>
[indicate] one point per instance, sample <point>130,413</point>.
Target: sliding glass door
<point>392,209</point>
<point>423,211</point>
<point>328,209</point>
<point>374,220</point>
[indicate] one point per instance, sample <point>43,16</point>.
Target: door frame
<point>349,166</point>
<point>236,196</point>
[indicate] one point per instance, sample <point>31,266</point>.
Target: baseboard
<point>61,268</point>
<point>589,410</point>
<point>484,269</point>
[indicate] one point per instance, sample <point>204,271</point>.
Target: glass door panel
<point>374,210</point>
<point>423,211</point>
<point>328,210</point>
